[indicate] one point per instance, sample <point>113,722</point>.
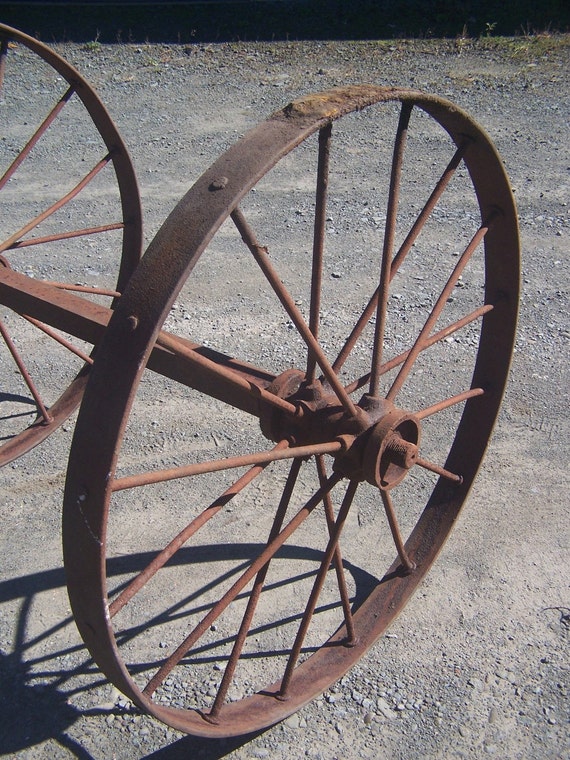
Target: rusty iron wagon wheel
<point>69,196</point>
<point>221,581</point>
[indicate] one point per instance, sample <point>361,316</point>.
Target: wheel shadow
<point>240,555</point>
<point>202,749</point>
<point>31,713</point>
<point>35,689</point>
<point>26,408</point>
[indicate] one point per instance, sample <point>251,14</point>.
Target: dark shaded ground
<point>255,20</point>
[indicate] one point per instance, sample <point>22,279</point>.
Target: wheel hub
<point>381,443</point>
<point>391,449</point>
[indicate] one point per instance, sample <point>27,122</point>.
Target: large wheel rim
<point>134,329</point>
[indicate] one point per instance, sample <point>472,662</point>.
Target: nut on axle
<point>391,449</point>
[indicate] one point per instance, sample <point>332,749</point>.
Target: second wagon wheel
<point>70,229</point>
<point>355,301</point>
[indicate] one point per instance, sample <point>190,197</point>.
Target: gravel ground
<point>477,665</point>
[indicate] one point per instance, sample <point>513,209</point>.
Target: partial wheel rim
<point>75,224</point>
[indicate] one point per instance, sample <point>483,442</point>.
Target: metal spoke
<point>44,126</point>
<point>318,242</point>
<point>426,211</point>
<point>401,254</point>
<point>337,559</point>
<point>423,337</point>
<point>409,566</point>
<point>260,255</point>
<point>435,338</point>
<point>178,541</point>
<point>56,206</point>
<point>350,342</point>
<point>66,235</point>
<point>317,587</point>
<point>255,592</point>
<point>59,339</point>
<point>217,465</point>
<point>451,401</point>
<point>269,551</point>
<point>439,470</point>
<point>42,409</point>
<point>389,233</point>
<point>83,289</point>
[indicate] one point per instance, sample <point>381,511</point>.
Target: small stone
<point>357,696</point>
<point>105,705</point>
<point>384,708</point>
<point>292,721</point>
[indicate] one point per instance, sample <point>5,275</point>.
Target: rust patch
<point>331,104</point>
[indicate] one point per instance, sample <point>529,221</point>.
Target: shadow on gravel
<point>201,749</point>
<point>36,680</point>
<point>31,714</point>
<point>28,406</point>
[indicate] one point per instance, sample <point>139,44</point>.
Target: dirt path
<point>477,665</point>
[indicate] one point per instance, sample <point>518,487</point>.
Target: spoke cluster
<point>21,239</point>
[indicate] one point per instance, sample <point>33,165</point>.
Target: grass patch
<point>526,48</point>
